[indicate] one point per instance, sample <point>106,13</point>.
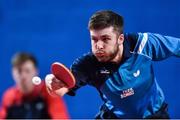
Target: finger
<point>58,83</point>
<point>48,80</point>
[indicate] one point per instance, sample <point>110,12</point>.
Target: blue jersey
<point>129,88</point>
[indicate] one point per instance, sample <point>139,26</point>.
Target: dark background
<point>56,30</point>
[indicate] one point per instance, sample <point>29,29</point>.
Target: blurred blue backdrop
<point>56,30</point>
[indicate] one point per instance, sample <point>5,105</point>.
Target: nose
<point>100,45</point>
<point>23,76</point>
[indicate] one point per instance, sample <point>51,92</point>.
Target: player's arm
<point>2,112</point>
<point>7,100</point>
<point>56,106</point>
<point>156,46</point>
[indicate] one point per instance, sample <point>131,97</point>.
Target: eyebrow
<point>93,37</point>
<point>105,35</point>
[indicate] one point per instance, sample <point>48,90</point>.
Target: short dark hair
<point>106,18</point>
<point>21,57</point>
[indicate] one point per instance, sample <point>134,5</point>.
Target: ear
<point>121,39</point>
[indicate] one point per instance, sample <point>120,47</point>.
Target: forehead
<point>27,64</point>
<point>108,31</point>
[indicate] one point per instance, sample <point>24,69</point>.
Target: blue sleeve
<point>156,46</point>
<point>78,68</point>
<point>80,77</point>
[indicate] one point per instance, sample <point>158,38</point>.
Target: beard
<point>103,56</point>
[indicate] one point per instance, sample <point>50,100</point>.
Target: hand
<point>55,86</point>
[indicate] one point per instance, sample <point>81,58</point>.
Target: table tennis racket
<point>61,72</point>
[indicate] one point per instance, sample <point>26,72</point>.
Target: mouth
<point>100,54</point>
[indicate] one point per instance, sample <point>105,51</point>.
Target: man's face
<point>105,45</point>
<point>23,75</point>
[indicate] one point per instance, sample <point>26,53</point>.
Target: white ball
<point>36,80</point>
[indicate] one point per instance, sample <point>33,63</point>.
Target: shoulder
<point>10,92</point>
<point>10,95</point>
<point>84,62</point>
<point>136,40</point>
<point>131,36</point>
<point>130,40</point>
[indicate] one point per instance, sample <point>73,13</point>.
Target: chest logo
<point>137,73</point>
<point>104,71</point>
<point>126,93</point>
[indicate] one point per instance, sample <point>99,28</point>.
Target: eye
<point>106,39</point>
<point>94,39</point>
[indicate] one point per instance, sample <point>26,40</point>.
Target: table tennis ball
<point>49,78</point>
<point>36,80</point>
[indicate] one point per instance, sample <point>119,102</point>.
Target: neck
<point>117,59</point>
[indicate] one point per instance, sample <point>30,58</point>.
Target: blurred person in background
<point>26,100</point>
